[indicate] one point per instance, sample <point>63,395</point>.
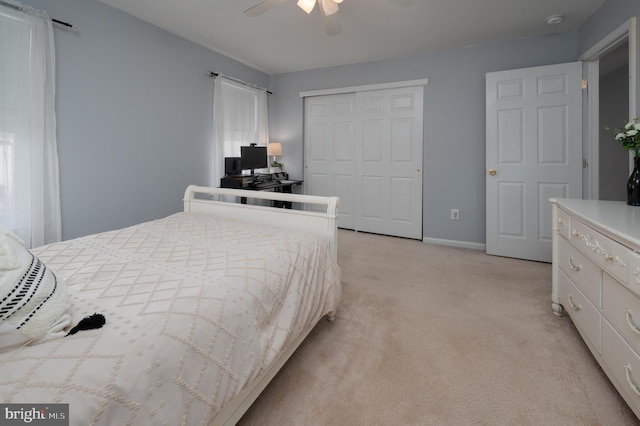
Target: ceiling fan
<point>328,8</point>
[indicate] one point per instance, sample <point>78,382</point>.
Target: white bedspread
<point>196,307</point>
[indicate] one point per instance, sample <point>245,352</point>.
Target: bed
<point>202,309</point>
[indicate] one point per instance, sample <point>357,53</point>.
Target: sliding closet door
<point>366,148</point>
<point>330,151</point>
<point>389,161</point>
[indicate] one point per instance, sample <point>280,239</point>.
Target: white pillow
<point>34,305</point>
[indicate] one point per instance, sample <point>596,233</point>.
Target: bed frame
<point>318,216</point>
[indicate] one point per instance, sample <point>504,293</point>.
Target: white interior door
<point>533,153</point>
<point>389,157</point>
<point>330,151</point>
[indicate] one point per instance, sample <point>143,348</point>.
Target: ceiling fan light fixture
<point>306,5</point>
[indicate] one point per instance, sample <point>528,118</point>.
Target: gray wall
<point>134,113</point>
<point>454,119</point>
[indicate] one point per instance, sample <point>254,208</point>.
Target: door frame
<point>591,115</point>
<point>364,88</point>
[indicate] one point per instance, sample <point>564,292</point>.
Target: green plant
<point>275,163</point>
<point>629,137</point>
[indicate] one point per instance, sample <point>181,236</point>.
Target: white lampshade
<point>306,5</point>
<point>274,148</point>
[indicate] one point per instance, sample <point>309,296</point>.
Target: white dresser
<point>596,280</point>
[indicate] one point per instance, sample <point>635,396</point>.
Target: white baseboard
<point>454,243</point>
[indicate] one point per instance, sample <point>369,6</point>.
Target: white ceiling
<point>286,39</point>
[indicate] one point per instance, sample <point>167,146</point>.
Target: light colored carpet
<point>432,335</point>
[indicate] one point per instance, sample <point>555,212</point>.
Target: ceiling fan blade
<point>331,24</point>
<point>307,5</point>
<point>263,7</point>
<point>329,7</point>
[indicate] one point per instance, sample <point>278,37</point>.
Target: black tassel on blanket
<point>88,323</point>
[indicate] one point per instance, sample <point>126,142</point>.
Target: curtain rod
<point>66,25</point>
<point>215,74</point>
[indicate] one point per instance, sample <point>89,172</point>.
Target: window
<point>239,118</point>
<point>29,188</point>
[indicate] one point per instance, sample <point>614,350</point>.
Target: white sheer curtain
<point>29,185</point>
<point>239,118</point>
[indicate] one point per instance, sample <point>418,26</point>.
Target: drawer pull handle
<point>608,257</point>
<point>573,265</point>
<point>576,234</point>
<point>562,222</point>
<point>630,323</point>
<point>632,385</point>
<point>573,305</point>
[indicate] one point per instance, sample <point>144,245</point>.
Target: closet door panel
<point>371,192</point>
<point>389,129</point>
<point>343,140</point>
<point>401,146</point>
<point>329,151</point>
<point>372,140</point>
<point>402,200</point>
<point>317,142</point>
<point>343,185</point>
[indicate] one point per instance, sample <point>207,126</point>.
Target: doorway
<point>608,56</point>
<point>614,108</point>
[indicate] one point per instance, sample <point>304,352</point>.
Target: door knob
<point>492,172</point>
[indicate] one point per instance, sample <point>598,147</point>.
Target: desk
<point>272,185</point>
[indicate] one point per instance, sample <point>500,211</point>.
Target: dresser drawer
<point>606,253</point>
<point>585,274</point>
<point>622,310</point>
<point>634,273</point>
<point>623,363</point>
<point>584,315</point>
<point>563,222</point>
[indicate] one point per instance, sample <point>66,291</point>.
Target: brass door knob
<point>492,172</point>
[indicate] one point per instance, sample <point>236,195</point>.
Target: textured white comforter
<point>196,307</point>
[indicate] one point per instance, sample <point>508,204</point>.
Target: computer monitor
<point>253,157</point>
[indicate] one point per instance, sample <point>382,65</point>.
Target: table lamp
<point>274,149</point>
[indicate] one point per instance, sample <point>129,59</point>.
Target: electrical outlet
<point>455,214</point>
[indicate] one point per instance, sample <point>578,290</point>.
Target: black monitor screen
<point>253,157</point>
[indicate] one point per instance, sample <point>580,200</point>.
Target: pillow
<point>34,305</point>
